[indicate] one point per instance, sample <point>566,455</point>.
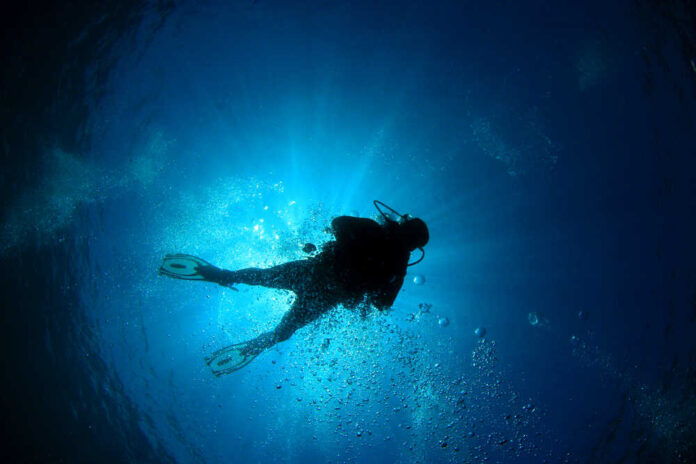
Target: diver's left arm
<point>384,299</point>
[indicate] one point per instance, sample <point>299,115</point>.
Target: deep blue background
<point>549,148</point>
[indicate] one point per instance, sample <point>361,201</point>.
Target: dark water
<point>548,147</point>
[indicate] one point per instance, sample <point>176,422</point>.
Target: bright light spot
<point>292,203</point>
<point>265,208</point>
<point>256,228</point>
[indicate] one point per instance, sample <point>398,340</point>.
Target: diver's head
<point>413,232</point>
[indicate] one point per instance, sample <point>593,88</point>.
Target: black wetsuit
<point>365,264</point>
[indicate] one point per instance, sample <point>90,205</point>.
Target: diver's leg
<point>234,357</point>
<point>284,276</point>
<point>187,267</point>
<point>301,313</point>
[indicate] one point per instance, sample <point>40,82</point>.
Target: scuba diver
<point>364,265</point>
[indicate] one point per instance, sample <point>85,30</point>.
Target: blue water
<point>548,147</point>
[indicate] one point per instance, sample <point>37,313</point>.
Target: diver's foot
<point>231,358</point>
<point>258,345</point>
<point>228,279</point>
<point>216,275</point>
<point>187,267</point>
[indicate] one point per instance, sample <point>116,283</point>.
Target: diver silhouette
<point>364,265</point>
